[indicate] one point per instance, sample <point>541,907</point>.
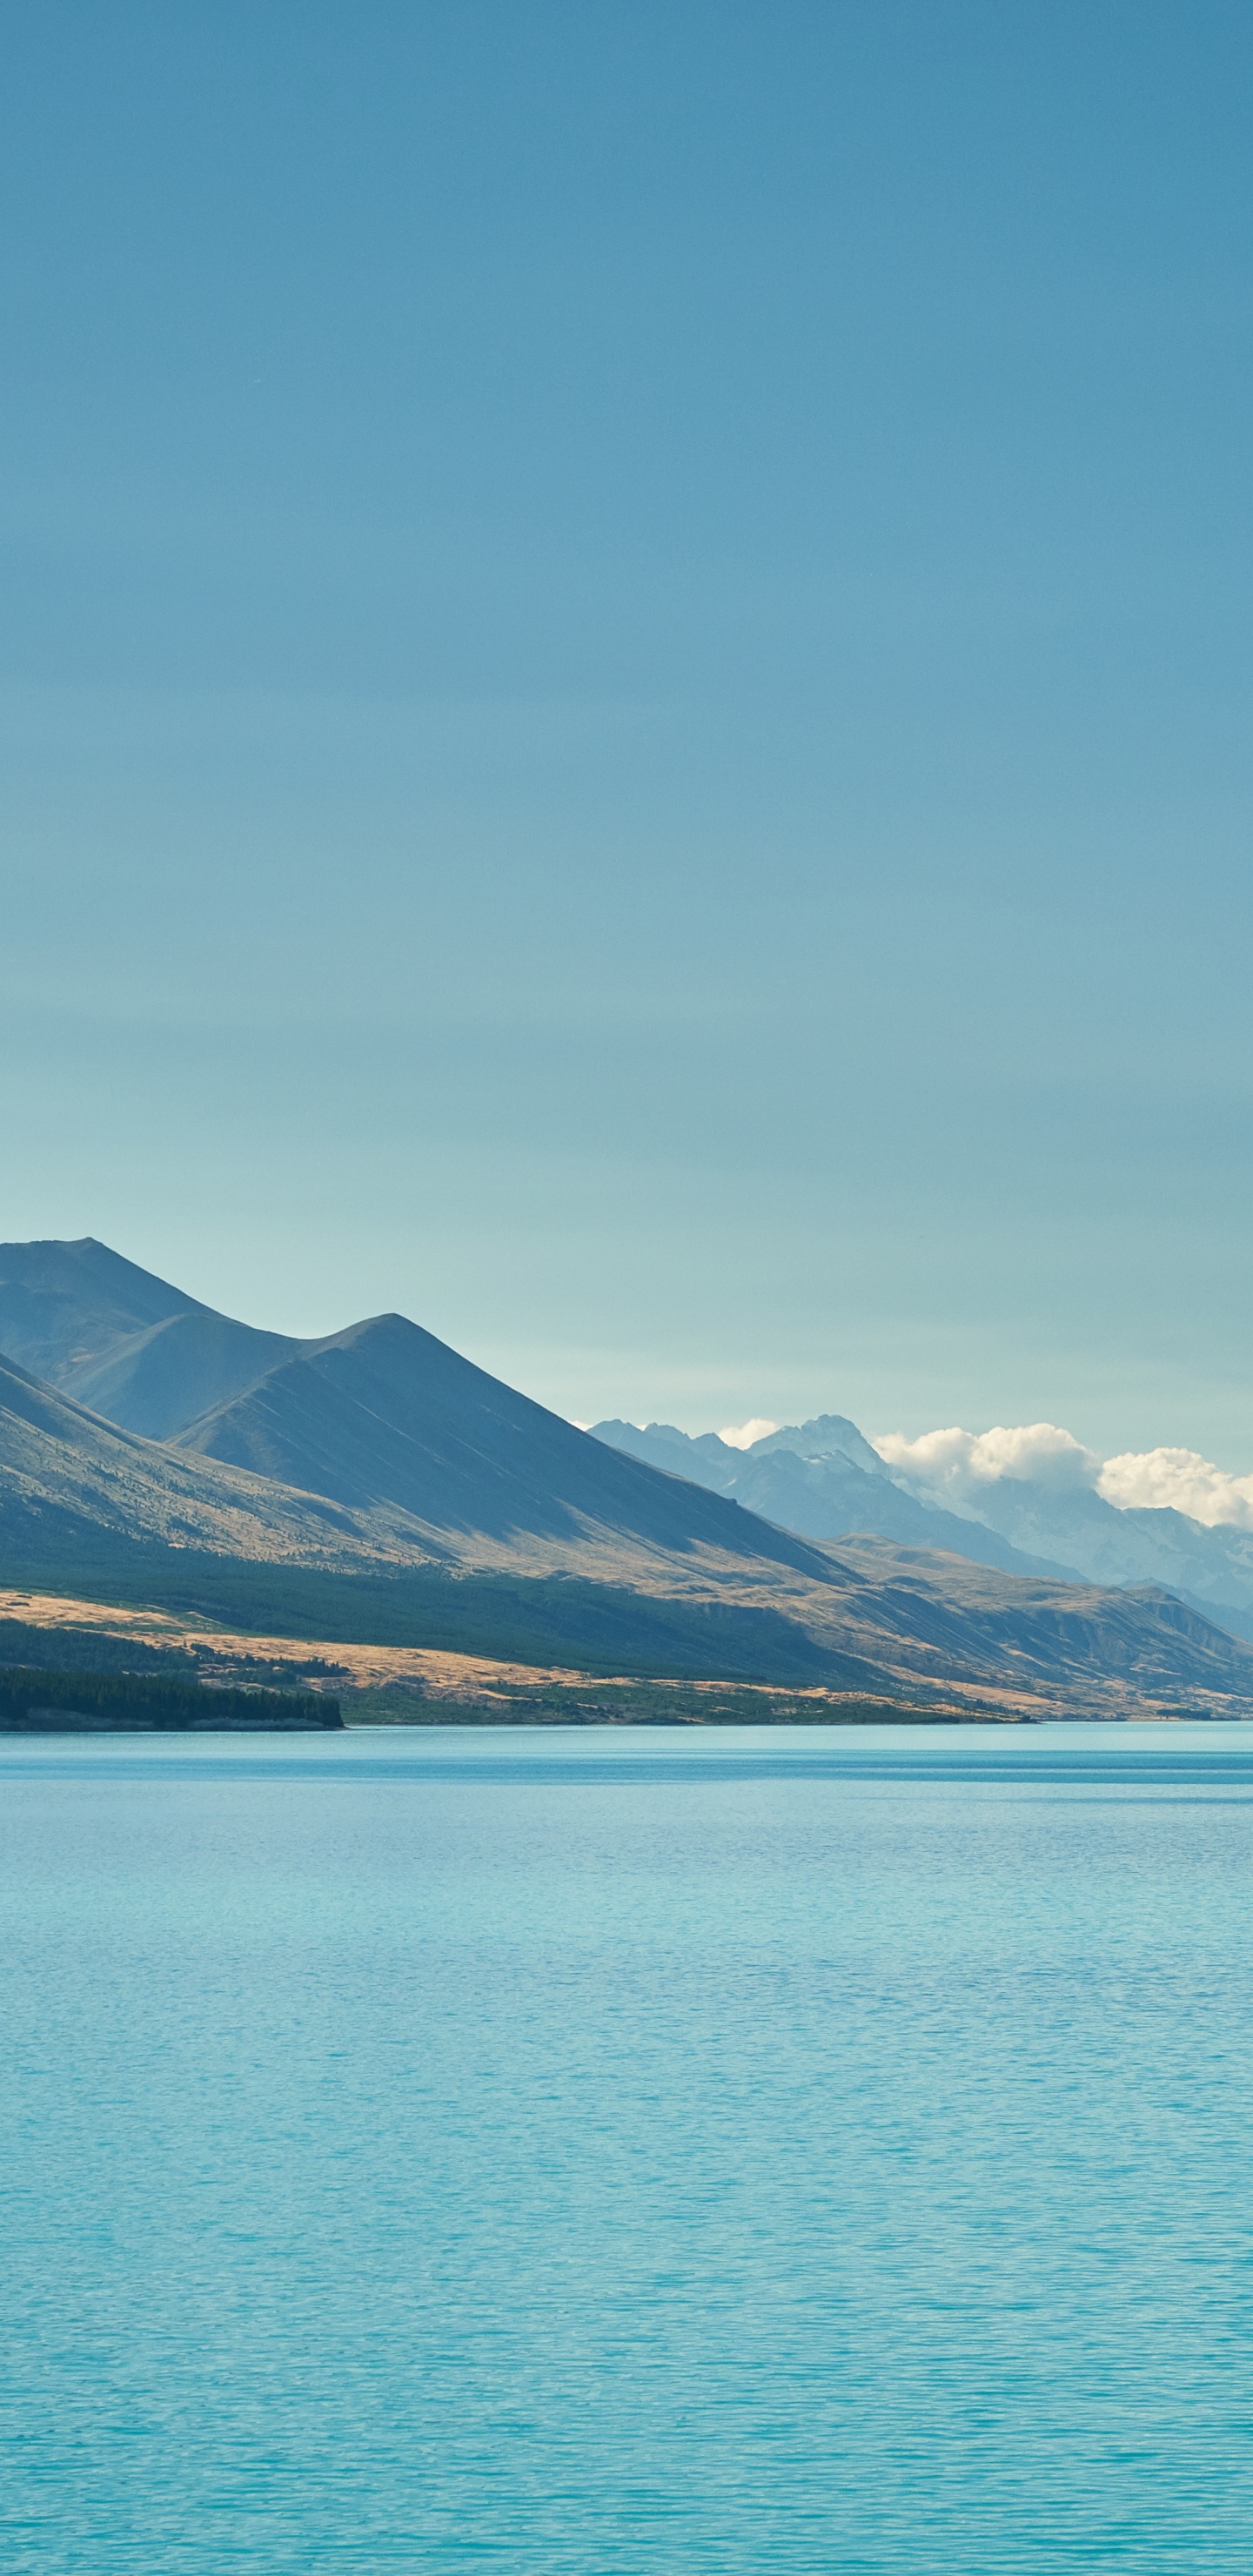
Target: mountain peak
<point>119,1339</point>
<point>828,1435</point>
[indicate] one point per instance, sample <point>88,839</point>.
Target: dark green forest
<point>34,1698</point>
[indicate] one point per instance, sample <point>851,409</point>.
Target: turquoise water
<point>617,2152</point>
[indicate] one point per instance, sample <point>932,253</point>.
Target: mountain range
<point>376,1444</point>
<point>151,1448</point>
<point>824,1479</point>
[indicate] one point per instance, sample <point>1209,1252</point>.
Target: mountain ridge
<point>378,1466</point>
<point>823,1496</point>
<point>1018,1522</point>
<point>119,1339</point>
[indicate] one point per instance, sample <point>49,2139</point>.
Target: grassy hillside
<point>517,1619</point>
<point>888,1622</point>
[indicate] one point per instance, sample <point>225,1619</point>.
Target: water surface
<point>618,2152</point>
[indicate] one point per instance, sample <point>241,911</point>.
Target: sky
<point>625,647</point>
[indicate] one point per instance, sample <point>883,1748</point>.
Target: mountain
<point>69,1480</point>
<point>829,1436</point>
<point>154,1360</point>
<point>66,1304</point>
<point>374,1483</point>
<point>377,1445</point>
<point>1073,1524</point>
<point>384,1415</point>
<point>824,1480</point>
<point>122,1341</point>
<point>87,1507</point>
<point>1088,1649</point>
<point>429,1453</point>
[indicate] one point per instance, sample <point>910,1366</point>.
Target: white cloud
<point>956,1463</point>
<point>1155,1479</point>
<point>952,1465</point>
<point>744,1436</point>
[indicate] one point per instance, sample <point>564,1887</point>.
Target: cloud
<point>953,1465</point>
<point>956,1463</point>
<point>1157,1479</point>
<point>743,1438</point>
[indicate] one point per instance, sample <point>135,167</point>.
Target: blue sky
<point>626,654</point>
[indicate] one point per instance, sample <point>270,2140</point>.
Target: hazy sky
<point>626,655</point>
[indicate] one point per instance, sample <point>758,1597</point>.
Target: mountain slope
<point>386,1414</point>
<point>379,1467</point>
<point>730,1596</point>
<point>156,1361</point>
<point>823,1479</point>
<point>67,1477</point>
<point>814,1480</point>
<point>157,1381</point>
<point>62,1304</point>
<point>121,1340</point>
<point>1099,1650</point>
<point>1108,1545</point>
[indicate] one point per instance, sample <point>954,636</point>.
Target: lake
<point>628,2152</point>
